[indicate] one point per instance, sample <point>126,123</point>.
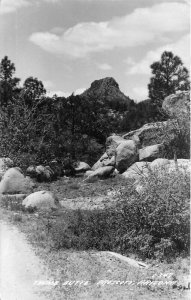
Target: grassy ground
<point>93,266</point>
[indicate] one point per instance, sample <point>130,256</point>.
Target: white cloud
<point>180,48</point>
<point>104,67</point>
<point>51,1</point>
<point>142,26</point>
<point>9,6</point>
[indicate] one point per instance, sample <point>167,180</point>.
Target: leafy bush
<point>153,224</point>
<point>158,218</point>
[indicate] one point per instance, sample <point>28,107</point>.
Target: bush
<point>153,224</point>
<point>84,230</point>
<point>158,218</point>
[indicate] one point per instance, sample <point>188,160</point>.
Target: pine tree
<point>8,83</point>
<point>169,76</point>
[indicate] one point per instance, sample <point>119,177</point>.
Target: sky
<point>67,44</point>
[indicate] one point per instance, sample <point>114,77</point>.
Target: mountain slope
<point>107,90</point>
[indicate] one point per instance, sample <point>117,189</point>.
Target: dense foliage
<point>36,129</point>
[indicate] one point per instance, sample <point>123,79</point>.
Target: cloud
<point>104,67</point>
<point>50,1</point>
<point>142,26</point>
<point>180,48</point>
<point>9,6</point>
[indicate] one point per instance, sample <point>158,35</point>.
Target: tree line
<point>35,128</point>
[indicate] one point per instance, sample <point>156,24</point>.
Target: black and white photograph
<point>95,150</point>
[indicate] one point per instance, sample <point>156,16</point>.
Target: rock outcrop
<point>152,133</point>
<point>137,170</point>
<point>150,153</point>
<point>102,172</point>
<point>104,161</point>
<point>142,169</point>
<point>82,167</point>
<point>112,142</point>
<point>126,155</point>
<point>177,105</point>
<point>106,90</point>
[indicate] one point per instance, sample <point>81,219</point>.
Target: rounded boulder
<point>41,200</point>
<point>14,182</point>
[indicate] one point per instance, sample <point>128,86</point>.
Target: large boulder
<point>160,167</point>
<point>177,105</point>
<point>41,200</point>
<point>82,167</point>
<point>137,170</point>
<point>150,153</point>
<point>126,155</point>
<point>112,142</point>
<point>5,164</point>
<point>104,161</point>
<point>182,165</point>
<point>152,133</point>
<point>103,172</point>
<point>159,163</point>
<point>14,182</point>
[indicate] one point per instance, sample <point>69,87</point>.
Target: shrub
<point>158,218</point>
<point>153,224</point>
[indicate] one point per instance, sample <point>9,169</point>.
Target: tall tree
<point>33,91</point>
<point>8,83</point>
<point>169,76</point>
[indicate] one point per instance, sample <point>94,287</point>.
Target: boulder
<point>5,164</point>
<point>103,172</point>
<point>41,200</point>
<point>82,167</point>
<point>159,163</point>
<point>152,133</point>
<point>150,153</point>
<point>177,105</point>
<point>44,173</point>
<point>126,155</point>
<point>163,164</point>
<point>137,170</point>
<point>40,173</point>
<point>182,165</point>
<point>112,142</point>
<point>14,182</point>
<point>57,168</point>
<point>31,171</point>
<point>87,173</point>
<point>104,161</point>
